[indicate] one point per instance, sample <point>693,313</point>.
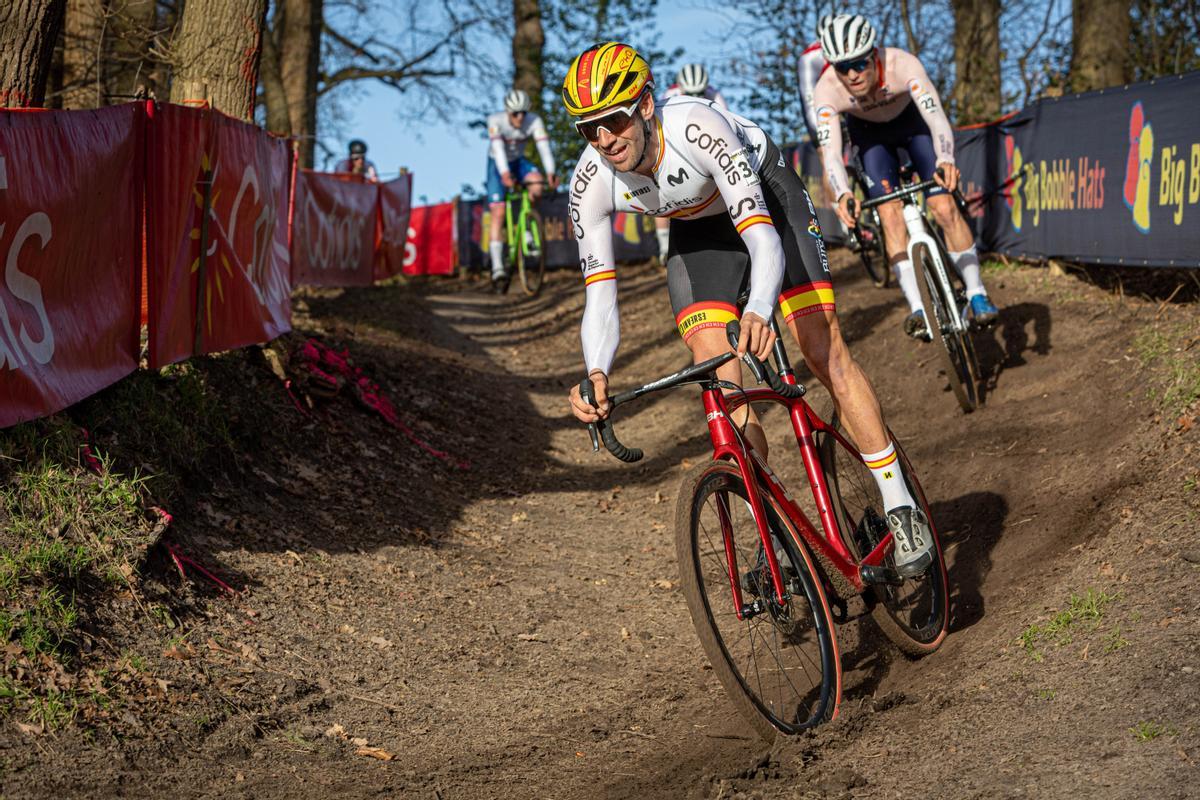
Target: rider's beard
<point>636,148</point>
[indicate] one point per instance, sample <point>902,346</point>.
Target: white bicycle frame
<point>919,235</point>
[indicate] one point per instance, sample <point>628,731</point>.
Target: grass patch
<point>1082,614</point>
<point>1148,731</point>
<point>1169,351</point>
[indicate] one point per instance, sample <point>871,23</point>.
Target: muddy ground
<point>406,628</point>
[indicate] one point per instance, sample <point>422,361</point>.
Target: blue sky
<point>444,157</point>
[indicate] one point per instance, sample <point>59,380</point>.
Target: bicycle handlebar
<point>762,371</point>
<point>602,430</point>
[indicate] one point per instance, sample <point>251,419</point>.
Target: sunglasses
<point>857,65</point>
<point>615,122</point>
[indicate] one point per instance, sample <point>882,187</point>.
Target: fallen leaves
<point>362,747</point>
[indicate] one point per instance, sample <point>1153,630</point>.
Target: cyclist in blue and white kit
<point>508,132</point>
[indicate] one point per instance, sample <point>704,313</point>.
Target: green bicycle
<point>525,239</point>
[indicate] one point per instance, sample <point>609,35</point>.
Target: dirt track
<point>516,630</point>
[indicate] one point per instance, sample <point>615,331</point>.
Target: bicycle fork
<point>919,236</point>
<point>727,444</point>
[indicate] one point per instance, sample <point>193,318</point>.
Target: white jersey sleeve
<point>829,135</point>
<point>496,143</point>
<point>812,62</point>
<point>590,213</point>
<point>715,148</point>
<point>542,140</point>
<point>925,95</point>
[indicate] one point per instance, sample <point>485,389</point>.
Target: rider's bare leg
<point>959,241</point>
<point>820,338</point>
<point>891,214</point>
<point>710,343</point>
<point>496,239</point>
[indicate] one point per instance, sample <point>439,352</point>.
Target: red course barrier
<point>70,203</point>
<point>333,230</point>
<point>430,249</point>
<point>395,212</point>
<point>216,234</point>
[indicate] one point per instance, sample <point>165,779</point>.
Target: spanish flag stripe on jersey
<point>661,146</point>
<point>757,219</point>
<point>806,299</point>
<point>596,277</point>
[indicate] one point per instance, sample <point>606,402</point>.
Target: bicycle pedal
<point>880,575</point>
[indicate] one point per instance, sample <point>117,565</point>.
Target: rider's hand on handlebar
<point>847,210</point>
<point>507,179</point>
<point>585,411</point>
<point>756,337</point>
<point>947,176</point>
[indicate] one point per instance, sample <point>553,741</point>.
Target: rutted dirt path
<point>516,630</point>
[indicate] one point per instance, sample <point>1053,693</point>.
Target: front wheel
<point>779,666</point>
<point>531,253</point>
<point>958,352</point>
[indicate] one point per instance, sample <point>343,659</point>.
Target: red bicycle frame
<point>729,445</point>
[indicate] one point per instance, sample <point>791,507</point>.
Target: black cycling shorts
<point>708,266</point>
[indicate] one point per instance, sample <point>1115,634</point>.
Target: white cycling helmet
<point>516,100</point>
<point>847,37</point>
<point>823,25</point>
<point>693,79</point>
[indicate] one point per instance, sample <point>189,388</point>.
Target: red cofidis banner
<point>216,233</point>
<point>70,240</point>
<point>333,230</point>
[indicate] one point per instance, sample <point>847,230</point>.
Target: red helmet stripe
<point>583,78</point>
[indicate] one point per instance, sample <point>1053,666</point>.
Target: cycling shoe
<point>982,310</point>
<point>912,540</point>
<point>915,326</point>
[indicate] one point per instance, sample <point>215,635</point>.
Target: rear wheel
<point>915,616</point>
<point>779,666</point>
<point>531,253</point>
<point>958,353</point>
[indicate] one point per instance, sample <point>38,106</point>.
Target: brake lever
<point>588,392</point>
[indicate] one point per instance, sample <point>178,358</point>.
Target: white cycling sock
<point>496,249</point>
<point>664,241</point>
<point>967,264</point>
<point>885,467</point>
<point>908,284</point>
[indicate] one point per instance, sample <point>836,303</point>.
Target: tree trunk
<point>28,31</point>
<point>1100,44</point>
<point>215,54</point>
<point>83,42</point>
<point>133,24</point>
<point>528,39</point>
<point>274,98</point>
<point>299,64</point>
<point>977,60</point>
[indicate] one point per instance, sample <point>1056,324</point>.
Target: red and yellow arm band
<point>807,298</point>
<point>757,219</point>
<point>597,277</point>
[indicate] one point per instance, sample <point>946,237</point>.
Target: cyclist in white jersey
<point>890,103</point>
<point>692,81</point>
<point>508,132</point>
<point>740,218</point>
